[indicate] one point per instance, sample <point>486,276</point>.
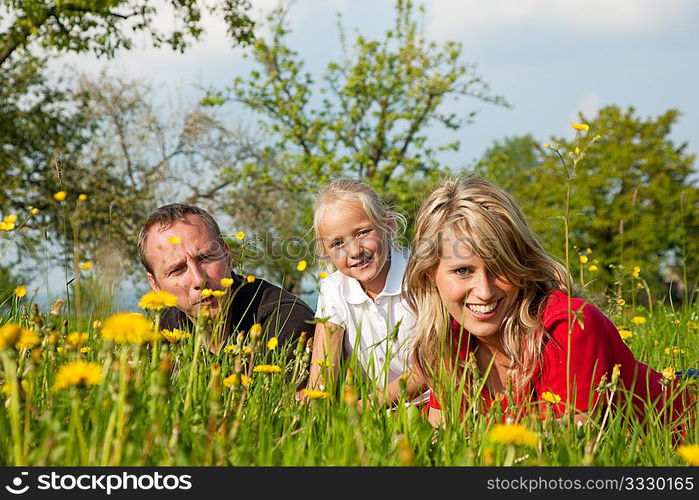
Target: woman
<point>487,296</point>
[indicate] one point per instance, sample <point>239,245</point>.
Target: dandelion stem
<point>121,411</point>
<point>11,380</point>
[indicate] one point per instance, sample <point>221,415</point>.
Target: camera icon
<point>17,483</point>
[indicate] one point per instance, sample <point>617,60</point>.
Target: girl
<point>478,273</point>
<point>360,307</point>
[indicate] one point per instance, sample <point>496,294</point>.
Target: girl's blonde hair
<point>344,191</point>
<point>489,221</point>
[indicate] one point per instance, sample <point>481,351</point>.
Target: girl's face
<point>356,247</point>
<point>474,297</point>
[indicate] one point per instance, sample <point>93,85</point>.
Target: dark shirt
<point>280,313</point>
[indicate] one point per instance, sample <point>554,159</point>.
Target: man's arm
<point>287,320</point>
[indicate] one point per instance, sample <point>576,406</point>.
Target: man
<point>183,252</point>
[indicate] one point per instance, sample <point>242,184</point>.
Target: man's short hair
<point>165,217</point>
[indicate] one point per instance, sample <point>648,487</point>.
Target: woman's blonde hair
<point>489,221</point>
<point>345,191</point>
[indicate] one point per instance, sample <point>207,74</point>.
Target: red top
<point>596,347</point>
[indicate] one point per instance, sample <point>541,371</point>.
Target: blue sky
<point>548,58</point>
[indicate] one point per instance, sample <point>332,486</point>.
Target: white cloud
<point>588,106</point>
<point>468,18</point>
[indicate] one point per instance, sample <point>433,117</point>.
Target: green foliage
<point>105,139</point>
<point>104,26</point>
<point>633,201</point>
<point>368,118</point>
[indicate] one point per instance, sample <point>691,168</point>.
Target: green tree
<point>369,117</point>
<point>124,155</point>
<point>634,202</point>
<point>104,26</point>
<point>42,119</point>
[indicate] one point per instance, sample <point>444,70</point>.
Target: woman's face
<point>474,297</point>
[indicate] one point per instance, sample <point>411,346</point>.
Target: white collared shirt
<point>370,325</point>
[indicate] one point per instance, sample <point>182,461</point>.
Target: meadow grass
<point>177,403</point>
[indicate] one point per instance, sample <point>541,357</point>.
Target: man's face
<point>186,258</point>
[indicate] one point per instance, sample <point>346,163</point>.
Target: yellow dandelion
<point>616,372</point>
<point>322,275</point>
<point>206,293</point>
<point>6,226</point>
<point>547,146</point>
<point>239,235</point>
<point>9,334</point>
<point>250,278</point>
<point>60,196</point>
<point>255,330</point>
<point>669,373</point>
<point>588,250</point>
<point>313,394</point>
<point>34,211</point>
<point>226,282</point>
<point>232,380</point>
<point>247,350</point>
<point>10,219</point>
<point>175,335</point>
<point>301,266</point>
<point>86,266</point>
<point>218,293</point>
<point>267,369</point>
<point>79,374</point>
<point>76,339</point>
<point>620,302</point>
<point>38,355</point>
<point>82,197</point>
<point>593,268</point>
<point>156,301</point>
<point>638,320</point>
<point>583,259</point>
<point>551,397</point>
<point>636,271</point>
<point>21,291</point>
<point>323,363</point>
<point>84,350</point>
<point>689,453</point>
<point>27,339</point>
<point>580,126</point>
<point>128,328</point>
<point>174,240</point>
<point>272,343</point>
<point>577,150</point>
<point>625,334</point>
<point>513,434</point>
